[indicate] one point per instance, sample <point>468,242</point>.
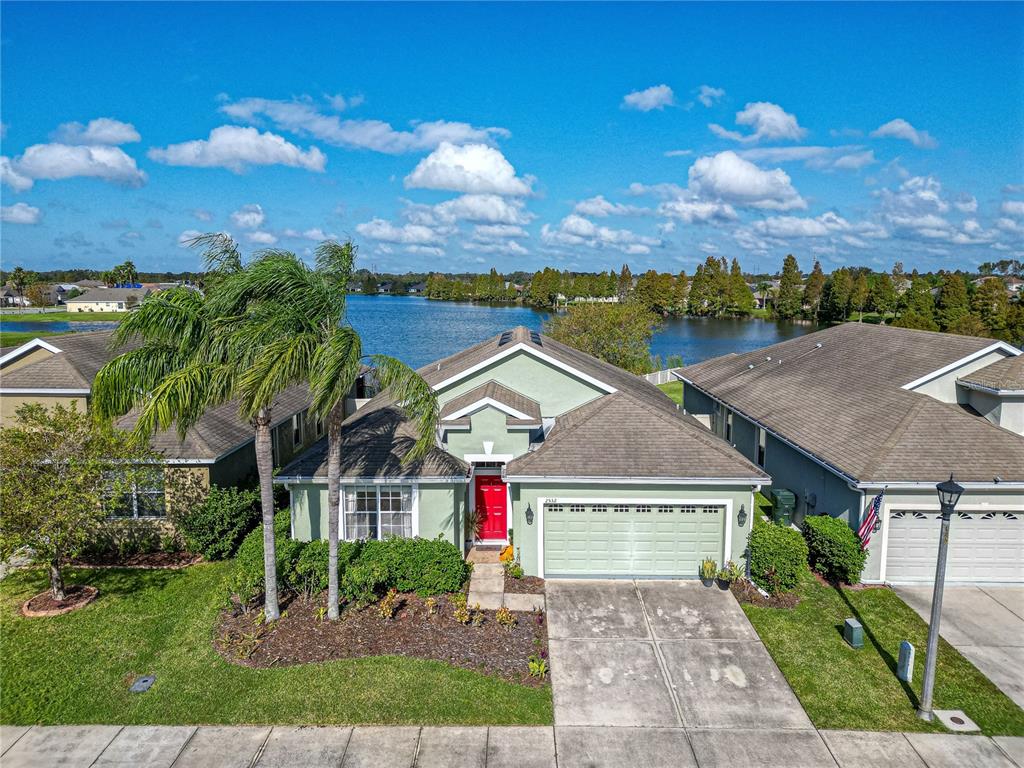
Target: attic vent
<point>535,338</point>
<point>506,337</point>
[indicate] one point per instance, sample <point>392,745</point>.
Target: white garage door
<point>983,546</point>
<point>631,539</point>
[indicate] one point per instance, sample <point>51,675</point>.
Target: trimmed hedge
<point>778,556</point>
<point>366,569</point>
<point>834,549</point>
<point>215,528</point>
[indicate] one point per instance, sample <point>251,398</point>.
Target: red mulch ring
<point>75,597</point>
<point>528,585</point>
<point>151,560</point>
<point>746,592</point>
<point>301,637</point>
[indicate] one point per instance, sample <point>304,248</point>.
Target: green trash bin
<point>783,506</point>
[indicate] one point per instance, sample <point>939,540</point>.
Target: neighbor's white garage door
<point>631,539</point>
<point>983,546</point>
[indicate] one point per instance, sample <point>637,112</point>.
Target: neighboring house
<point>585,468</point>
<point>1013,284</point>
<point>839,415</point>
<point>58,292</point>
<point>219,449</point>
<point>385,287</point>
<point>11,298</point>
<point>417,288</point>
<point>108,300</point>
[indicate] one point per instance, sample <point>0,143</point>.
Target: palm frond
<point>415,396</point>
<point>182,397</point>
<point>221,256</point>
<point>335,368</point>
<point>336,261</point>
<point>173,317</point>
<point>126,381</point>
<point>278,365</point>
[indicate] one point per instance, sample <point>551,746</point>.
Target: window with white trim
<point>577,508</point>
<point>378,511</point>
<point>621,509</point>
<point>296,430</point>
<point>728,426</point>
<point>762,441</point>
<point>145,499</point>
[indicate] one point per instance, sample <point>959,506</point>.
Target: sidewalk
<point>483,747</point>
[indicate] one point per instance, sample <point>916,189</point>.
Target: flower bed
<point>303,635</point>
<point>527,585</point>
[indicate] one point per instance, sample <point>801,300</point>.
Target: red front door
<point>491,507</point>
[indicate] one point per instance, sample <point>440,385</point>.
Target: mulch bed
<point>75,596</point>
<point>528,585</point>
<point>301,637</point>
<point>746,592</point>
<point>151,560</point>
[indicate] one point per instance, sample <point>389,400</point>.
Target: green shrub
<point>778,556</point>
<point>311,567</point>
<point>216,527</point>
<point>424,566</point>
<point>364,582</point>
<point>834,549</point>
<point>247,579</point>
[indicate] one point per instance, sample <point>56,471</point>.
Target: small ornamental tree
<point>61,474</point>
<point>619,334</point>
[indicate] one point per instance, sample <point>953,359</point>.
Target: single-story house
<point>218,450</point>
<point>846,413</point>
<point>12,298</point>
<point>107,300</point>
<point>589,471</point>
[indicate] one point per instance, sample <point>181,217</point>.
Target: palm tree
<point>763,288</point>
<point>297,320</point>
<point>189,361</point>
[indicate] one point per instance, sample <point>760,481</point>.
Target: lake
<point>419,330</point>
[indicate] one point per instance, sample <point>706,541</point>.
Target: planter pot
<point>707,582</point>
<point>723,584</point>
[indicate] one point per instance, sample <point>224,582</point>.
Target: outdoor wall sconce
<point>877,525</point>
<point>529,515</point>
<point>741,516</point>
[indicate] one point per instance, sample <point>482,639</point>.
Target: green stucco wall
<point>554,389</point>
<point>441,511</point>
<point>488,424</point>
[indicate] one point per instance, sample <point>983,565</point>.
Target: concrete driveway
<point>661,653</point>
<point>986,624</point>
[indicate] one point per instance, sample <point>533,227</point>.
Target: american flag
<point>869,520</point>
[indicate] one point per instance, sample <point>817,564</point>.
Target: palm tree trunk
<point>334,420</point>
<point>56,580</point>
<point>265,467</point>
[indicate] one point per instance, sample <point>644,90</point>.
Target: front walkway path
<point>560,747</point>
<point>986,624</point>
<point>661,653</point>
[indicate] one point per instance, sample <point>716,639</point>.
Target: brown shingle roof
<point>635,432</point>
<point>1005,374</point>
<point>500,393</point>
<point>619,435</point>
<point>838,394</point>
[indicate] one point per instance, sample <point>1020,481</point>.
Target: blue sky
<point>461,136</point>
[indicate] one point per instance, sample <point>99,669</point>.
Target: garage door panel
<point>626,539</point>
<point>983,546</point>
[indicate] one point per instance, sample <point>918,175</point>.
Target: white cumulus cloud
<point>655,97</point>
<point>407,234</point>
<point>768,121</point>
<point>20,213</point>
<point>728,177</point>
<point>901,129</point>
<point>577,230</point>
<point>301,116</point>
<point>259,237</point>
<point>65,161</point>
<point>491,209</point>
<point>237,148</point>
<point>102,130</point>
<point>599,207</point>
<point>707,95</point>
<point>470,168</point>
<point>249,216</point>
<point>1012,207</point>
<point>693,211</point>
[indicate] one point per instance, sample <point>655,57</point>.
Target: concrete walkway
<point>986,624</point>
<point>507,747</point>
<point>661,653</point>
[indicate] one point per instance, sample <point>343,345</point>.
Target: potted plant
<point>722,577</point>
<point>708,570</point>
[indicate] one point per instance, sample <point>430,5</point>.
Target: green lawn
<point>673,389</point>
<point>76,668</point>
<point>857,689</point>
<point>17,338</point>
<point>59,317</point>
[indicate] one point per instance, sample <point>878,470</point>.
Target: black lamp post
<point>949,494</point>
